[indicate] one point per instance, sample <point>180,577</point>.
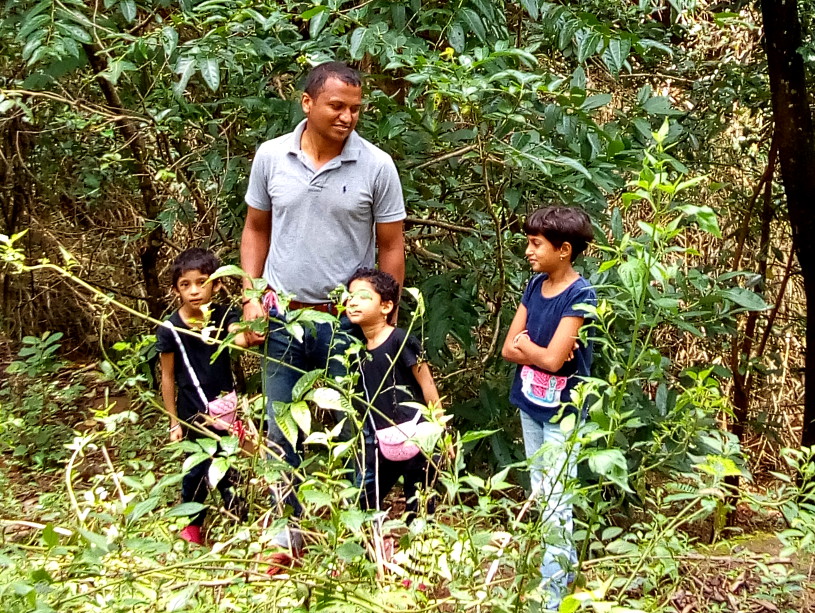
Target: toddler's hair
<point>194,258</point>
<point>561,224</point>
<point>330,70</point>
<point>384,284</point>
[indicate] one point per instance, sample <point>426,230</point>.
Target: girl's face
<point>543,256</point>
<point>193,289</point>
<point>365,305</point>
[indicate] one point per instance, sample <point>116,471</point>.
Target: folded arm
<point>520,349</point>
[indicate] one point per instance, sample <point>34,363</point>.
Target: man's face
<point>333,113</point>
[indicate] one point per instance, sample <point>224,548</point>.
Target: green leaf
<point>169,40</point>
<point>193,460</point>
<point>95,540</point>
<point>143,508</point>
<point>357,45</point>
<point>316,497</point>
<point>568,423</point>
<point>719,466</point>
<point>185,68</point>
<point>353,519</point>
<point>562,160</point>
<point>128,8</point>
<point>208,67</point>
<point>744,298</point>
<point>456,38</point>
<point>305,383</point>
<point>217,470</point>
<point>49,536</point>
<point>315,10</point>
<point>615,54</point>
<point>350,550</point>
<point>632,274</point>
<point>659,105</point>
<point>208,445</point>
<point>704,216</point>
<point>620,547</point>
<point>302,416</point>
<point>72,30</point>
<point>476,435</point>
<point>228,271</point>
<point>588,42</point>
<point>181,600</point>
<point>284,420</point>
<point>473,20</point>
<point>531,7</point>
<point>317,23</point>
<point>611,532</point>
<point>185,509</point>
<point>611,464</point>
<point>595,102</point>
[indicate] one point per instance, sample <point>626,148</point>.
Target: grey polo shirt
<point>323,221</point>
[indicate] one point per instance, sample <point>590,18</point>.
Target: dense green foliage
<point>128,130</point>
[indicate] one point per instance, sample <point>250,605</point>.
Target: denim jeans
<point>290,358</point>
<point>553,463</point>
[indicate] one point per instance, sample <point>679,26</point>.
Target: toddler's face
<point>193,289</point>
<point>364,304</point>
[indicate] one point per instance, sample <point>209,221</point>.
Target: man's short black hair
<point>337,70</point>
<point>561,224</point>
<point>383,283</point>
<point>194,258</point>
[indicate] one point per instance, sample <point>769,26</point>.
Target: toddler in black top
<point>391,374</point>
<point>190,282</point>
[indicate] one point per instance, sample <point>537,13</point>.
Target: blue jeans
<point>553,463</point>
<point>290,359</point>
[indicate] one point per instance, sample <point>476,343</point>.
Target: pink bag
<point>223,411</point>
<point>395,442</point>
<point>541,388</point>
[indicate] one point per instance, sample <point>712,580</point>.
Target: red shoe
<point>281,561</point>
<point>192,534</point>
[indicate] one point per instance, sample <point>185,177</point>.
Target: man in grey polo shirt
<point>321,201</point>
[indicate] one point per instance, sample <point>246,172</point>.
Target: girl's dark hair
<point>337,70</point>
<point>384,284</point>
<point>561,224</point>
<point>195,258</point>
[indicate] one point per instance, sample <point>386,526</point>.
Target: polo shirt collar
<point>350,152</point>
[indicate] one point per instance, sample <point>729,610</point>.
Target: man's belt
<point>323,307</point>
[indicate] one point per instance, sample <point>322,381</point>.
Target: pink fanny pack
<point>223,411</point>
<point>397,443</point>
<point>541,388</point>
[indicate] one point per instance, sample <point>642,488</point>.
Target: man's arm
<point>391,244</point>
<point>257,232</point>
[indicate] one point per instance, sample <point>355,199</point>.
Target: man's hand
<point>251,311</point>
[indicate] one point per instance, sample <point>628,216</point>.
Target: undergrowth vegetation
<point>651,498</point>
<point>127,129</point>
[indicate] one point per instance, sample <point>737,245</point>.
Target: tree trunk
<point>796,155</point>
<point>153,241</point>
